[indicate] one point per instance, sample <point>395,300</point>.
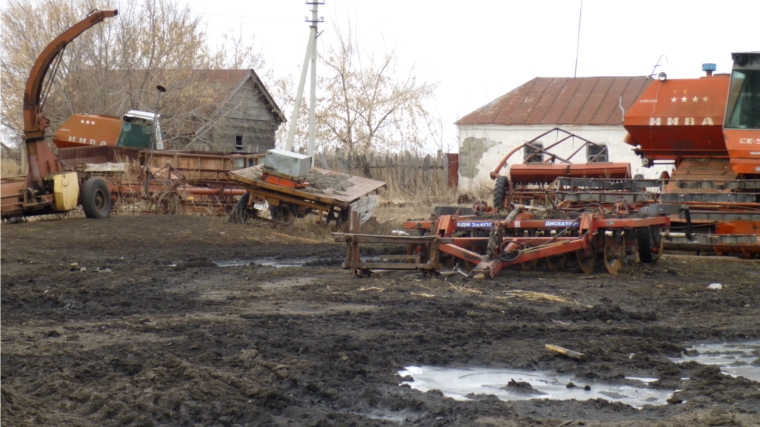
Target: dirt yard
<point>146,330</point>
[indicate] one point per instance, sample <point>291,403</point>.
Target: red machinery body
<point>545,173</point>
<point>84,130</point>
<point>37,195</point>
<point>486,246</point>
<point>679,118</point>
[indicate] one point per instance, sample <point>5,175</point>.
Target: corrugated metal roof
<point>562,101</point>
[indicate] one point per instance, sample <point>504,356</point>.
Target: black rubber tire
<point>96,199</point>
<point>240,214</point>
<point>280,213</point>
<point>645,243</point>
<point>500,192</point>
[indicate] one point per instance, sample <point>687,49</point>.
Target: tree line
<point>366,103</point>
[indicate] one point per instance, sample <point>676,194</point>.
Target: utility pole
<point>311,54</point>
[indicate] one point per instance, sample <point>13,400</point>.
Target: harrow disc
<point>530,265</point>
<point>587,257</point>
<point>614,252</point>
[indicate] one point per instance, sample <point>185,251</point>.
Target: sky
<point>478,50</point>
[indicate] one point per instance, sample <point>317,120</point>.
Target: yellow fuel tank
<point>66,190</point>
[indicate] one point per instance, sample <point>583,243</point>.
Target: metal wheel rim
<point>100,200</point>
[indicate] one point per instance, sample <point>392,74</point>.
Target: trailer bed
<point>358,188</point>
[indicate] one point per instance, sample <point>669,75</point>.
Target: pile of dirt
<point>319,181</point>
<point>250,173</point>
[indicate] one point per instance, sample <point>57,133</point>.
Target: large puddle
<point>734,359</point>
<point>509,384</point>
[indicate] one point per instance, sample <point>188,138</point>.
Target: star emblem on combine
<point>684,99</point>
<point>673,99</point>
<point>704,99</point>
<point>695,99</point>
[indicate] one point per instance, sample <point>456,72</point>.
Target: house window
<point>596,153</point>
<point>527,151</point>
<point>238,142</point>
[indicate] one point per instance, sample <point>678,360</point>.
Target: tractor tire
<point>645,243</point>
<point>500,192</point>
<point>96,199</point>
<point>240,213</point>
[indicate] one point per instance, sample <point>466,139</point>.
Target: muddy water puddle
<point>513,384</point>
<point>735,359</point>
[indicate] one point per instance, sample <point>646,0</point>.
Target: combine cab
<point>85,130</point>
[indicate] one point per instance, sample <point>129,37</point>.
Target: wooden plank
<point>426,169</point>
<point>445,174</point>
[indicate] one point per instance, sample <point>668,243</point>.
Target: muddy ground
<point>147,331</point>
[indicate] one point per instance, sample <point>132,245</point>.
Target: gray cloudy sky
<point>477,50</point>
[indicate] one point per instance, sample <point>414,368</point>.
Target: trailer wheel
<point>169,203</point>
<point>96,199</point>
<point>281,213</point>
<point>500,192</point>
<point>650,244</point>
<point>240,213</point>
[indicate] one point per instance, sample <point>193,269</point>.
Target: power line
<point>578,42</point>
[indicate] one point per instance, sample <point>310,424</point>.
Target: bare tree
<point>116,65</point>
<point>364,103</point>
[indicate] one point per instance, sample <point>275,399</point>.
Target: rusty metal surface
<point>198,166</point>
<point>453,163</point>
<point>71,158</point>
<point>10,194</point>
<point>540,172</point>
<point>546,100</point>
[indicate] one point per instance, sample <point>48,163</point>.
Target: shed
<point>242,118</point>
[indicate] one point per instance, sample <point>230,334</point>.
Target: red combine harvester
<point>705,128</point>
<point>708,129</point>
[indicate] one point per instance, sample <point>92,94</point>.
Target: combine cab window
<point>527,151</point>
<point>239,142</point>
<point>135,133</point>
<point>743,109</point>
<point>596,153</point>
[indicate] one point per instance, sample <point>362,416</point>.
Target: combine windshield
<point>743,108</point>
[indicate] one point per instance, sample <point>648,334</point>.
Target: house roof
<point>562,101</point>
<point>238,78</point>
